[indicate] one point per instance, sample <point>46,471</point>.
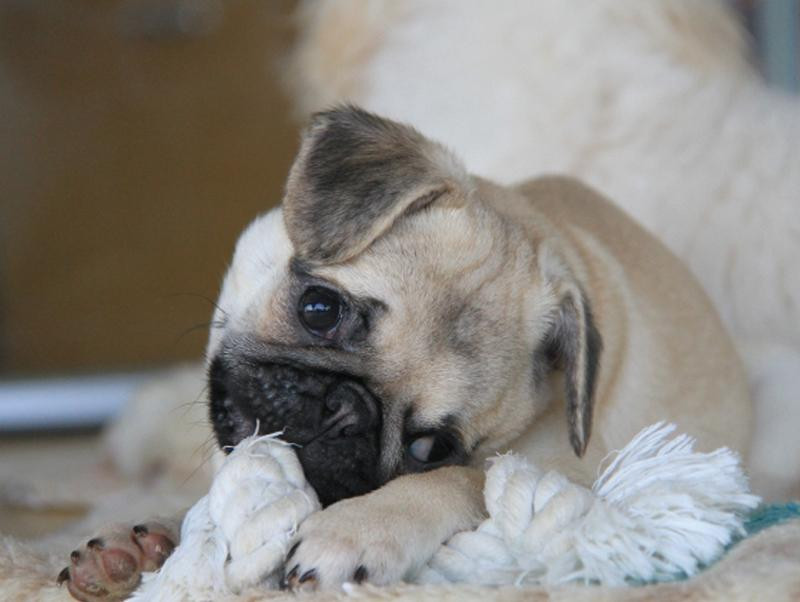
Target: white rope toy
<point>237,536</point>
<point>660,510</point>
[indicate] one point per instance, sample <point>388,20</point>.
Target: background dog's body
<point>655,104</point>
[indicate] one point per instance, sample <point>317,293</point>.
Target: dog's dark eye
<point>429,449</point>
<point>320,310</point>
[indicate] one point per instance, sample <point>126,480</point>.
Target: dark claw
<point>95,544</point>
<point>361,574</point>
<point>284,584</point>
<point>74,556</point>
<point>63,576</point>
<point>140,530</point>
<point>308,575</point>
<point>292,550</point>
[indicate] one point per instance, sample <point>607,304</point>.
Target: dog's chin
<point>332,419</point>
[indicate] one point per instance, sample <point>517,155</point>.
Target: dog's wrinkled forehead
<point>355,174</point>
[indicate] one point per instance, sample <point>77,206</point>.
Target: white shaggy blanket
<point>658,511</point>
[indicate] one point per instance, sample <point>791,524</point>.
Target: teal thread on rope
<point>769,515</point>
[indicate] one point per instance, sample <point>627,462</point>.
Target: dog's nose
<point>347,412</point>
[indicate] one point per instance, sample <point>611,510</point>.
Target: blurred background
<point>138,138</point>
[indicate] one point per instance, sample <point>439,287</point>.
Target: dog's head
<point>387,319</point>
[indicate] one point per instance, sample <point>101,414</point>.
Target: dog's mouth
<point>333,418</point>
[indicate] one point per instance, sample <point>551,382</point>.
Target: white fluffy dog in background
<point>656,103</point>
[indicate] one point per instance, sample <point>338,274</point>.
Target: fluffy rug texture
<point>762,567</point>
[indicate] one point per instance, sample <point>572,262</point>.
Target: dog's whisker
<point>187,406</point>
<point>206,450</point>
<point>202,326</point>
<point>200,296</point>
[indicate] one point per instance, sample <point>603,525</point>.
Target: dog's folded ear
<point>574,345</point>
<point>354,175</point>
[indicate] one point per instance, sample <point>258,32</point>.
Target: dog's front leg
<point>388,534</point>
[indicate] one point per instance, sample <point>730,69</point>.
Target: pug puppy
<point>401,320</point>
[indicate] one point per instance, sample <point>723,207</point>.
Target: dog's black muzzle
<point>332,417</point>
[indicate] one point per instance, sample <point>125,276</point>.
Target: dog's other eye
<point>429,449</point>
<point>320,310</point>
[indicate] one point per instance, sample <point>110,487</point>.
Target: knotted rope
<point>659,511</point>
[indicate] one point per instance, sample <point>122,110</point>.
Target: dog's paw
<point>351,541</point>
<point>109,567</point>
